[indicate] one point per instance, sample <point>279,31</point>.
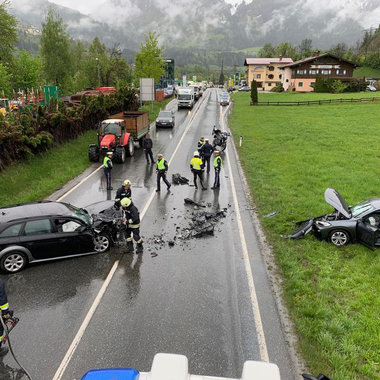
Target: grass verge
<point>39,176</point>
<point>290,156</point>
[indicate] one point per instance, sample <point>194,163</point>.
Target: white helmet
<point>196,153</point>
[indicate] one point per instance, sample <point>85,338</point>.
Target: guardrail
<point>312,102</point>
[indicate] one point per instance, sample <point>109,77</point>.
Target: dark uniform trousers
<point>161,174</point>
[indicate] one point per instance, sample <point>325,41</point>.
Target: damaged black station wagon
<point>360,223</point>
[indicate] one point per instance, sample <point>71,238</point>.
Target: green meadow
<point>290,156</point>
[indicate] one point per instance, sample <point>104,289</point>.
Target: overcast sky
<point>88,6</point>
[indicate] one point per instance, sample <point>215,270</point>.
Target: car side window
<point>372,219</point>
<point>66,225</point>
<point>38,227</point>
<point>12,230</point>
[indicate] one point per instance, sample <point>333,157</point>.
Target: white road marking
<point>78,184</point>
<point>252,291</point>
<point>61,369</point>
<point>75,343</point>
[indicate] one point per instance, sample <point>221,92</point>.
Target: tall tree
<point>8,33</point>
<point>286,49</point>
<point>267,51</point>
<point>339,50</point>
<point>148,63</point>
<point>26,71</point>
<point>5,81</point>
<point>55,49</point>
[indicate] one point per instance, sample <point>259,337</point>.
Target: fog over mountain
<point>216,25</point>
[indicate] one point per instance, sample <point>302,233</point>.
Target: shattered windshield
<point>361,208</point>
<point>79,213</point>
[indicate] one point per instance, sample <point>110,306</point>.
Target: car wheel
<point>339,238</point>
<point>102,243</point>
<point>13,262</point>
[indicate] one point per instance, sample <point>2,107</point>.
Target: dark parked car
<point>360,223</point>
<point>165,119</point>
<point>44,231</point>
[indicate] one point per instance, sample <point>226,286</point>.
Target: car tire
<point>339,238</point>
<point>93,153</point>
<point>102,243</point>
<point>130,148</point>
<point>13,262</point>
<point>120,154</point>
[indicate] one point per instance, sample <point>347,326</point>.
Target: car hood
<point>98,207</point>
<point>334,199</point>
<point>164,119</point>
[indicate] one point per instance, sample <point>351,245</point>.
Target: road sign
<point>184,80</point>
<point>146,89</point>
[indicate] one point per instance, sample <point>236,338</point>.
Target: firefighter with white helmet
<point>131,220</point>
<point>123,192</point>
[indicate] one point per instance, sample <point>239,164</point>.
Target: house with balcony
<point>301,75</point>
<point>265,71</point>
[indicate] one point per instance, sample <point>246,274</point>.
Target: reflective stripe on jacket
<point>107,163</point>
<point>196,163</point>
<point>161,164</point>
<point>218,162</point>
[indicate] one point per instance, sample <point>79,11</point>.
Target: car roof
<point>30,210</point>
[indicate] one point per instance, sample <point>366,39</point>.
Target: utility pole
<point>97,63</point>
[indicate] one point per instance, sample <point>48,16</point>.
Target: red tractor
<point>118,135</point>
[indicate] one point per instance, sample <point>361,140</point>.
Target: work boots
<point>140,247</point>
<point>129,247</point>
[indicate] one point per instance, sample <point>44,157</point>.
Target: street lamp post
<point>97,63</point>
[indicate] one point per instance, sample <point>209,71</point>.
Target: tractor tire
<point>120,154</point>
<point>130,147</point>
<point>93,153</point>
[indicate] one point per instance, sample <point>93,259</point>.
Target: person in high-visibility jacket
<point>107,167</point>
<point>5,314</point>
<point>196,166</point>
<point>218,163</point>
<point>161,170</point>
<point>131,220</point>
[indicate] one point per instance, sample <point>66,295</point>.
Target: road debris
<point>177,179</point>
<point>189,201</point>
<point>271,214</point>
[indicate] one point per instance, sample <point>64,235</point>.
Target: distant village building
<point>265,71</point>
<point>301,75</point>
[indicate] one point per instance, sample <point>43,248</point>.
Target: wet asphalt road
<point>192,298</point>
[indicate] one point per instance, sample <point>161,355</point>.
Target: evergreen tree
<point>267,51</point>
<point>55,52</point>
<point>8,34</point>
<point>254,95</point>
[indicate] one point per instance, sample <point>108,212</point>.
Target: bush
<point>40,127</point>
<point>277,88</point>
<point>254,96</point>
<point>337,86</point>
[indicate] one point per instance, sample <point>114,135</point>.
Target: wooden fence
<point>312,102</point>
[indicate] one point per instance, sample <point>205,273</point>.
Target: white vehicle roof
<point>112,121</point>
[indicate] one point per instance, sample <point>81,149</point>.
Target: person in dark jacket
<point>147,146</point>
<point>123,192</point>
<point>131,220</point>
<point>206,153</point>
<point>161,170</point>
<point>5,314</point>
<point>107,167</point>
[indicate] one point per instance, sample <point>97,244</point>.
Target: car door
<point>74,236</point>
<point>39,237</point>
<point>367,234</point>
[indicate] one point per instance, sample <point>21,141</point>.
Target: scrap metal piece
<point>189,201</point>
<point>177,179</point>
